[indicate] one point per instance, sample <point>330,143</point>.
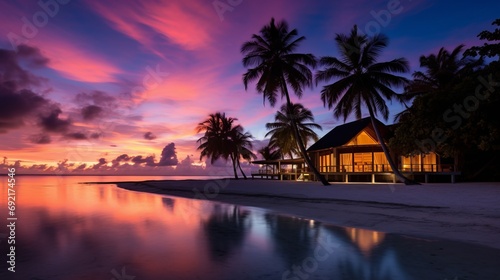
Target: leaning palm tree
<point>281,130</point>
<point>362,81</point>
<point>272,61</point>
<point>241,147</point>
<point>220,140</point>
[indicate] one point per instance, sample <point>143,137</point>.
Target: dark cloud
<point>81,167</point>
<point>16,107</point>
<point>33,55</point>
<point>95,135</point>
<point>119,159</point>
<point>41,138</point>
<point>100,162</point>
<point>52,122</point>
<point>91,112</point>
<point>98,98</point>
<point>76,136</point>
<point>149,136</point>
<point>148,161</point>
<point>11,70</point>
<point>168,156</point>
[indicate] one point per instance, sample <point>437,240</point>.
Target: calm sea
<point>67,230</point>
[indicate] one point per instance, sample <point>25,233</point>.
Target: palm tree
<point>281,129</point>
<point>362,81</point>
<point>270,153</point>
<point>242,147</point>
<point>272,61</point>
<point>223,139</point>
<point>442,71</point>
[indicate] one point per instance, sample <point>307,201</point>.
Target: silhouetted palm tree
<point>223,139</point>
<point>362,81</point>
<point>242,147</point>
<point>281,129</point>
<point>442,70</point>
<point>270,153</point>
<point>276,66</point>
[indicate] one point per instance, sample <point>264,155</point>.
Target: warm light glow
<point>365,239</point>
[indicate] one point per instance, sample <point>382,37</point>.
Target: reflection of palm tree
<point>168,203</point>
<point>281,129</point>
<point>278,66</point>
<point>362,81</point>
<point>225,230</point>
<point>223,139</point>
<point>293,237</point>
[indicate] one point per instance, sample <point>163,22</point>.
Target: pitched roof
<point>342,134</point>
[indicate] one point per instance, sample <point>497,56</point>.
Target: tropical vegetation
<point>362,82</point>
<point>458,119</point>
<point>272,61</point>
<point>281,130</point>
<point>224,139</point>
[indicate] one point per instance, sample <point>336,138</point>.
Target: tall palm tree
<point>362,81</point>
<point>272,61</point>
<point>281,129</point>
<point>223,139</point>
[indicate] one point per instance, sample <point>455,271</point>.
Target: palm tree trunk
<point>234,168</point>
<point>241,170</point>
<point>386,150</point>
<point>298,138</point>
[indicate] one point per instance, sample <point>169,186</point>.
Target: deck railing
<point>364,168</point>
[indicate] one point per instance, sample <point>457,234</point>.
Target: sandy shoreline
<point>468,212</point>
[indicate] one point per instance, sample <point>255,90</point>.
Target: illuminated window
<point>362,139</point>
<point>327,163</point>
<point>380,163</point>
<point>346,162</point>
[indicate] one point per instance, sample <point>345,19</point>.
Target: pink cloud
<point>68,54</point>
<point>183,22</point>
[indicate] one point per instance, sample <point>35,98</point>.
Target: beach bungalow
<point>352,152</point>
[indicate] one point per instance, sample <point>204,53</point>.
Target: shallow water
<point>66,230</point>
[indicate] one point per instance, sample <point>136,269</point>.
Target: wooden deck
<point>373,177</point>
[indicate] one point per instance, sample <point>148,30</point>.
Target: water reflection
<point>71,231</point>
<point>225,230</point>
<point>293,237</point>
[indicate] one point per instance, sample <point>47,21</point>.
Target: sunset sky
<point>97,87</point>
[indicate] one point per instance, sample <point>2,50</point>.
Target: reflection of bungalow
<point>352,152</point>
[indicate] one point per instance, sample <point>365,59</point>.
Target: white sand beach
<point>468,212</point>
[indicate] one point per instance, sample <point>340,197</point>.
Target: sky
<point>97,87</point>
